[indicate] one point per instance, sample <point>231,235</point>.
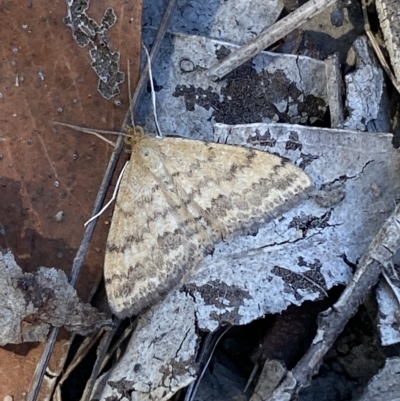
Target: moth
<point>178,198</point>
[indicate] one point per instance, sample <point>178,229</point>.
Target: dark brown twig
<point>101,353</point>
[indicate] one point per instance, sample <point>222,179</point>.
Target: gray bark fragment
<point>334,90</point>
<point>271,375</point>
<point>161,357</point>
<point>386,384</point>
<point>236,21</point>
<point>272,35</point>
<point>389,315</point>
<point>33,302</point>
<point>366,98</point>
<point>273,87</point>
<point>331,322</point>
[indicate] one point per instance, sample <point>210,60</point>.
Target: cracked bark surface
<point>366,99</point>
<point>217,19</point>
<point>385,385</point>
<point>296,257</point>
<point>273,87</point>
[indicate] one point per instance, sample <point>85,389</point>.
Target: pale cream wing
<point>240,188</point>
<point>153,240</point>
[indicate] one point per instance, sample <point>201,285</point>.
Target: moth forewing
<point>180,197</point>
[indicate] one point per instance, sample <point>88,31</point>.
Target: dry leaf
<point>32,302</point>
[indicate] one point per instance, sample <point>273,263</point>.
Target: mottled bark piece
<point>385,385</point>
<point>389,19</point>
<point>234,21</point>
<point>33,302</point>
<point>156,369</point>
<point>272,87</point>
<point>366,98</point>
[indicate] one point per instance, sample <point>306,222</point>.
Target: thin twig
<point>128,68</point>
<point>84,349</point>
<point>110,352</point>
<point>101,353</point>
<point>268,38</point>
<point>333,89</point>
<point>251,377</point>
<point>87,236</point>
<point>192,389</point>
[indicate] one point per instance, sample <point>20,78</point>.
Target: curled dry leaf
<point>33,302</point>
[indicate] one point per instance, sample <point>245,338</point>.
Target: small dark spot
<point>306,160</point>
<point>337,17</point>
<point>233,169</point>
<point>263,139</point>
<point>157,88</point>
<point>186,65</point>
<point>222,52</point>
<point>251,154</point>
<point>293,143</point>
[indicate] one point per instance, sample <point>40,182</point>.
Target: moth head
<point>134,134</point>
<point>142,147</point>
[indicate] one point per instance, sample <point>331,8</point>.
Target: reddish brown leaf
<point>45,172</point>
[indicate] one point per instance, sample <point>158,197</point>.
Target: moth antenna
<point>101,137</point>
<point>128,70</point>
<point>112,198</point>
<point>153,93</point>
<point>95,132</point>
